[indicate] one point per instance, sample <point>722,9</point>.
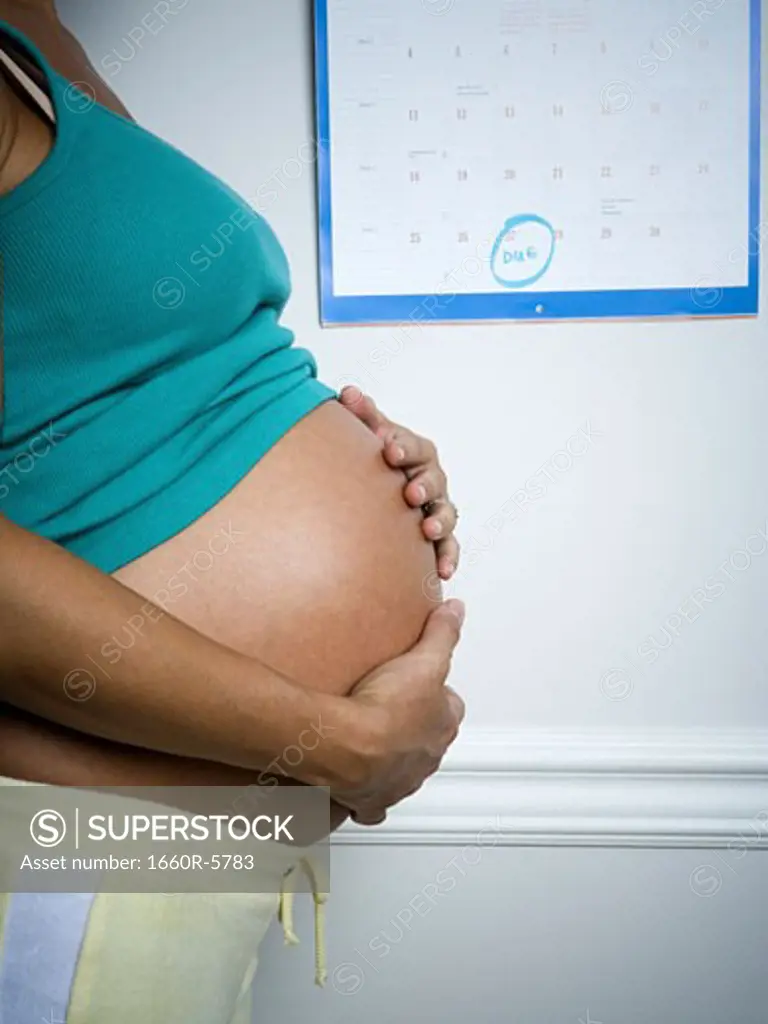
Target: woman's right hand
<point>187,696</point>
<point>408,718</point>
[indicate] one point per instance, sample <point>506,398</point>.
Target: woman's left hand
<point>427,485</point>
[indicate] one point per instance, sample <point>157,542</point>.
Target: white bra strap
<point>33,90</point>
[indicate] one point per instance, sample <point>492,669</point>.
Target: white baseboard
<point>694,788</point>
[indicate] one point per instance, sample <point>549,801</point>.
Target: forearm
<point>38,751</point>
<point>177,692</point>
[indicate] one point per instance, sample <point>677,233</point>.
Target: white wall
<point>529,937</point>
<point>613,750</point>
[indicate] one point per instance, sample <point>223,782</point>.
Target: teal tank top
<point>145,367</point>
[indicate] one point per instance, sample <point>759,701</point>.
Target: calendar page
<point>524,159</point>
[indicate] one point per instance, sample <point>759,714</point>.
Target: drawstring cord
<point>285,916</point>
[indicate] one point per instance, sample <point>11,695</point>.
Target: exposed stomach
<point>313,564</point>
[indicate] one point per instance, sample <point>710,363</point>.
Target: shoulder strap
<point>31,88</point>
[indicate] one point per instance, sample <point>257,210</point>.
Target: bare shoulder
<point>40,22</point>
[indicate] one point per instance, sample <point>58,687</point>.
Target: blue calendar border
<point>702,299</point>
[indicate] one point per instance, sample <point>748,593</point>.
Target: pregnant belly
<point>313,564</point>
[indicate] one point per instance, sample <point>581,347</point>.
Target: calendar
<point>538,159</point>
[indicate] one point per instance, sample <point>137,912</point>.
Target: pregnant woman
<point>267,575</point>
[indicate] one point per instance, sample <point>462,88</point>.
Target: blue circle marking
<point>510,259</point>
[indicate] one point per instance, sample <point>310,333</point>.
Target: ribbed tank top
<point>145,367</point>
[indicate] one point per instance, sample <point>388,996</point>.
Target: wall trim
<point>507,787</point>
